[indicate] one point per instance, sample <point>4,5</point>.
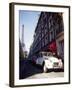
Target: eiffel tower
<point>23,44</point>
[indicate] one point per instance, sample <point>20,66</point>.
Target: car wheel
<point>44,68</point>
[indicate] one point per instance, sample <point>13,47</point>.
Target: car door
<point>40,61</point>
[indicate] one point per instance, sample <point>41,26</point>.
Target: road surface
<point>28,70</point>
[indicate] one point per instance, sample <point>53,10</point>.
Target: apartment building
<point>49,34</point>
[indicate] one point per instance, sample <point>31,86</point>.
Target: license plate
<point>55,65</point>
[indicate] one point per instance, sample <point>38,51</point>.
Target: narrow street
<point>27,69</point>
<point>31,71</point>
<point>47,39</point>
<point>47,75</point>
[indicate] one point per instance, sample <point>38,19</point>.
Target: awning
<point>52,47</point>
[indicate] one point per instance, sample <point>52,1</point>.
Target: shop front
<point>52,47</point>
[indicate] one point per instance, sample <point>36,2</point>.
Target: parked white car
<point>48,61</point>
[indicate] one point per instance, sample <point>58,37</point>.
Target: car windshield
<point>46,58</point>
<point>50,54</point>
<point>45,54</point>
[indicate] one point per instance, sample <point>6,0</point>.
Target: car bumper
<point>56,69</point>
<point>51,67</point>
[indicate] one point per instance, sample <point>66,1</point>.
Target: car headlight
<point>60,63</point>
<point>60,60</point>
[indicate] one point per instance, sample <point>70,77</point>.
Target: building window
<point>49,25</point>
<point>54,33</point>
<point>45,31</point>
<point>40,37</point>
<point>51,35</point>
<point>46,39</point>
<point>40,45</point>
<point>61,44</point>
<point>42,42</point>
<point>42,34</point>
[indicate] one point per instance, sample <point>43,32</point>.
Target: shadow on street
<point>26,69</point>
